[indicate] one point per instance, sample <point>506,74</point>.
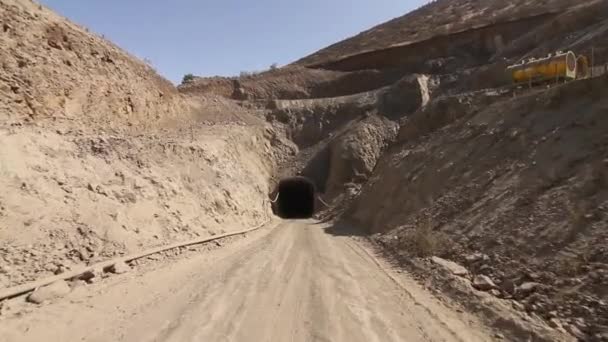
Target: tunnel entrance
<point>296,198</point>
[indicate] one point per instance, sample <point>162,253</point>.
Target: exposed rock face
<point>353,155</point>
<point>407,95</point>
<point>311,121</point>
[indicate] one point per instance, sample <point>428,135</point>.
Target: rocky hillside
<point>522,182</point>
<point>507,181</point>
<point>437,18</point>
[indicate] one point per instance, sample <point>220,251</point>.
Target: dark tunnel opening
<point>296,198</point>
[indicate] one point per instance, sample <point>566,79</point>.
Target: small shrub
<point>423,241</point>
<point>245,74</point>
<point>188,78</point>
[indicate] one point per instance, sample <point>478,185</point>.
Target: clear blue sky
<point>225,37</point>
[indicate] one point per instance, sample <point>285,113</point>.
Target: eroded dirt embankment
<point>101,156</point>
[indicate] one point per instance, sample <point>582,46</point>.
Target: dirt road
<point>300,281</point>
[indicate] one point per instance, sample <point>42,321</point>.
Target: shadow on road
<point>342,228</point>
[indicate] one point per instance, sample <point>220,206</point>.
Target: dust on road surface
<point>296,282</point>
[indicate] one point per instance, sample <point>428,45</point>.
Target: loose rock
<point>576,332</point>
<point>89,276</point>
<point>450,266</point>
<point>508,286</point>
<point>527,288</point>
<point>476,257</point>
<point>495,293</point>
<point>483,283</point>
<point>119,268</point>
<point>52,291</point>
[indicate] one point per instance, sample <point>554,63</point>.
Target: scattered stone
<point>499,336</point>
<point>576,332</point>
<point>52,291</point>
<point>483,283</point>
<point>485,269</point>
<point>119,268</point>
<point>154,256</point>
<point>88,276</point>
<point>495,293</point>
<point>603,336</point>
<point>579,322</point>
<point>76,283</point>
<point>476,257</point>
<point>595,276</point>
<point>450,266</point>
<point>100,190</point>
<point>3,308</point>
<point>508,286</point>
<point>557,324</point>
<point>527,288</point>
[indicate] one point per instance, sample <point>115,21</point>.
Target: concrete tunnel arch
<point>295,198</point>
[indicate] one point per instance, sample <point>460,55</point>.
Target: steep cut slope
<point>438,18</point>
<point>101,156</point>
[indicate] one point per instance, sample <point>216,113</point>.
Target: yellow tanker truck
<point>555,67</point>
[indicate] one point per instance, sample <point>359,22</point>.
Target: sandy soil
<point>299,281</point>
